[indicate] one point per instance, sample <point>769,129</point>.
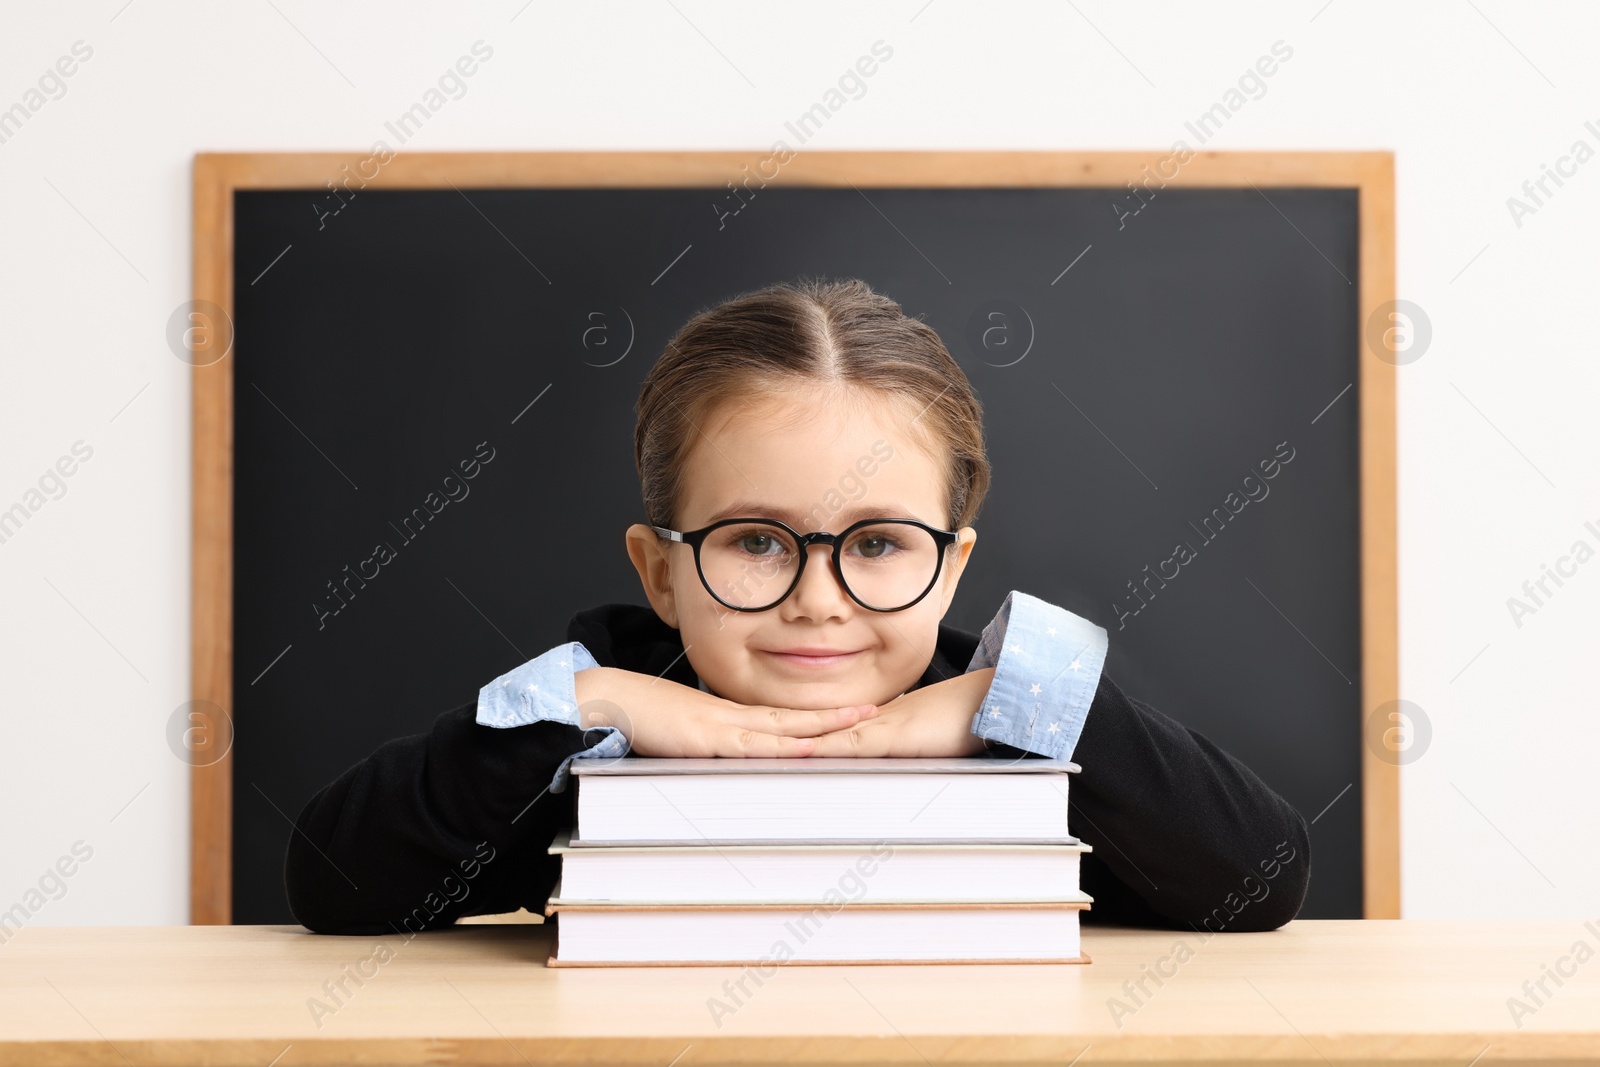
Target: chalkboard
<point>1141,372</point>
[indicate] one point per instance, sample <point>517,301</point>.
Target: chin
<point>820,696</point>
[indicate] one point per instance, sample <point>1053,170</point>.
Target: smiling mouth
<point>807,660</point>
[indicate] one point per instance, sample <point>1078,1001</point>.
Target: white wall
<point>1498,440</point>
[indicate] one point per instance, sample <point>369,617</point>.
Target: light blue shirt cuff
<point>1047,665</point>
<point>544,689</point>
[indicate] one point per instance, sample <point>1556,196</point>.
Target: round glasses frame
<point>943,539</point>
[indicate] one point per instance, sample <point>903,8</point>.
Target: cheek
<point>696,607</point>
<point>716,646</point>
<point>715,634</point>
<point>909,644</point>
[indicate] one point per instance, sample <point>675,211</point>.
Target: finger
<point>736,742</point>
<point>788,722</point>
<point>865,740</point>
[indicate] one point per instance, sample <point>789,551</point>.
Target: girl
<point>811,461</point>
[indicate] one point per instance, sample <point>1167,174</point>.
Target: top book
<point>649,800</point>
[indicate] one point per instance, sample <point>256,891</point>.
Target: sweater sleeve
<point>1184,835</point>
<point>433,827</point>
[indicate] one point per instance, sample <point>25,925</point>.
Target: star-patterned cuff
<point>544,689</point>
<point>1047,665</point>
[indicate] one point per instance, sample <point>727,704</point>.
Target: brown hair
<point>808,334</point>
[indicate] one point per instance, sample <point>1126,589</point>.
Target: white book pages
<point>842,935</point>
<point>822,808</point>
<point>880,871</point>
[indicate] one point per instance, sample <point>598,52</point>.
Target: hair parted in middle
<point>810,337</point>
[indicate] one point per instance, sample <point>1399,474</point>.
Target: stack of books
<point>824,860</point>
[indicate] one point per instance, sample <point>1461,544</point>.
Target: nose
<point>819,593</point>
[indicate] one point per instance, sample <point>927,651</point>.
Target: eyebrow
<point>843,518</point>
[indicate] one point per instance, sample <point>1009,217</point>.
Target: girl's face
<point>818,461</point>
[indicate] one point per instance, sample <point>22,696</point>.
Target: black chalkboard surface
<point>1136,370</point>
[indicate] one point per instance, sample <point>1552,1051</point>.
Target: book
<point>776,861</point>
<point>826,800</point>
<point>591,933</point>
<point>922,871</point>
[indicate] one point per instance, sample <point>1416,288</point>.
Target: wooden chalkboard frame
<point>218,175</point>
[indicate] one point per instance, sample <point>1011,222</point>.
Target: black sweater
<point>456,821</point>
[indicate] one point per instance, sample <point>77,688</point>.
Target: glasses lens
<point>749,564</point>
<point>888,565</point>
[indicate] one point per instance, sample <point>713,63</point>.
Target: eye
<point>757,544</point>
<point>753,542</point>
<point>876,545</point>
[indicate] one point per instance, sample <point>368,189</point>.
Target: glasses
<point>753,564</point>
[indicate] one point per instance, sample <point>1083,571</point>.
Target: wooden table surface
<point>1314,992</point>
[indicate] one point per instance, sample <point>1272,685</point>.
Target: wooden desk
<point>1314,992</point>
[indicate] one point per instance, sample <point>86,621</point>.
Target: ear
<point>956,563</point>
<point>649,554</point>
